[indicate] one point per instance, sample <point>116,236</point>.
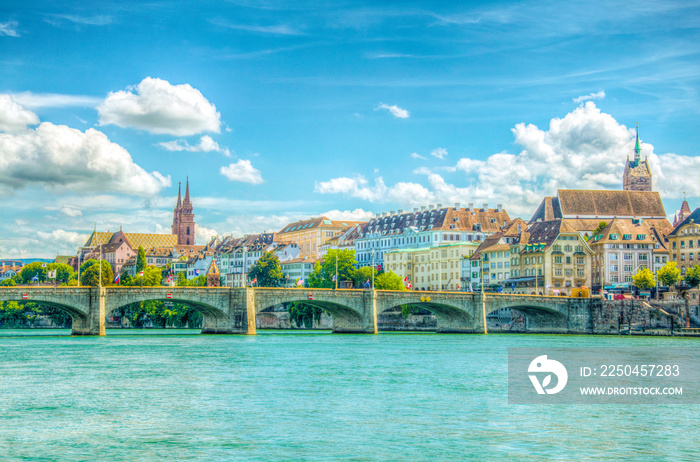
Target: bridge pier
<point>94,322</point>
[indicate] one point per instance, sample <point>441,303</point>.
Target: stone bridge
<point>233,311</point>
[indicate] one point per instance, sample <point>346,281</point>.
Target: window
<point>626,237</point>
<point>614,237</point>
<point>579,261</point>
<point>641,237</point>
<point>613,257</point>
<point>568,272</point>
<point>580,273</point>
<point>613,268</point>
<point>628,257</point>
<point>557,259</point>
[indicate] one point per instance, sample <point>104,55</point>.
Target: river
<point>281,395</point>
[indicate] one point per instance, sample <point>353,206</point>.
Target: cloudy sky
<point>279,110</point>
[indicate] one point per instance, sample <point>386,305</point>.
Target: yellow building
<point>431,268</point>
<point>311,234</point>
<point>684,242</point>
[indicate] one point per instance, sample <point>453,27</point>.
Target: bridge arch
<point>519,314</point>
<point>348,308</point>
<point>213,305</point>
<point>454,312</point>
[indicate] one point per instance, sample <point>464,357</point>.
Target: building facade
<point>429,226</point>
<point>431,268</point>
<point>311,235</point>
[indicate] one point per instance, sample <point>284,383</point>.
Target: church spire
<point>637,149</point>
<point>187,192</point>
<point>179,197</point>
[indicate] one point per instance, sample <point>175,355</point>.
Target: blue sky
<point>283,110</point>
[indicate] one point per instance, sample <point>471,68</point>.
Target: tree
<point>364,274</point>
<point>692,276</point>
<point>63,272</point>
<point>669,275</point>
<point>389,281</point>
<point>304,314</point>
<point>9,282</point>
<point>267,270</point>
<point>644,279</point>
<point>199,281</point>
<point>601,227</point>
<point>140,261</point>
<point>324,271</point>
<point>90,276</point>
<point>33,270</point>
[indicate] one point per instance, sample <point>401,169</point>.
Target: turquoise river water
<point>174,395</point>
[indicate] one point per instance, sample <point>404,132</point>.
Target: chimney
<point>392,213</point>
<point>431,207</point>
<point>457,206</point>
<point>486,207</point>
<point>499,207</point>
<point>422,208</point>
<point>400,212</point>
<point>439,206</point>
<point>415,209</point>
<point>470,206</point>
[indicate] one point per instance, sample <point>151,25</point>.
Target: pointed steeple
<point>187,192</point>
<point>179,197</point>
<point>637,149</point>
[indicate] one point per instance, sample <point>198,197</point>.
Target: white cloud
<point>586,149</point>
<point>206,144</point>
<point>9,29</point>
<point>70,211</point>
<point>97,20</point>
<point>13,116</point>
<point>40,100</point>
<point>277,29</point>
<point>62,158</point>
<point>242,171</point>
<point>69,237</point>
<point>590,96</point>
<point>353,187</point>
<point>162,108</point>
<point>440,153</point>
<point>415,155</point>
<point>350,215</point>
<point>203,234</point>
<point>394,110</point>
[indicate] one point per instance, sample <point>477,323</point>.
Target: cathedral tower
<point>183,217</point>
<point>637,176</point>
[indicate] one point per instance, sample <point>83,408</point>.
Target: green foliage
<point>26,314</point>
<point>152,276</point>
<point>692,276</point>
<point>63,272</point>
<point>9,282</point>
<point>141,260</point>
<point>160,314</point>
<point>363,274</point>
<point>33,269</point>
<point>407,310</point>
<point>669,274</point>
<point>91,274</point>
<point>644,279</point>
<point>601,227</point>
<point>322,275</point>
<point>389,281</point>
<point>304,314</point>
<point>199,281</point>
<point>267,270</point>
